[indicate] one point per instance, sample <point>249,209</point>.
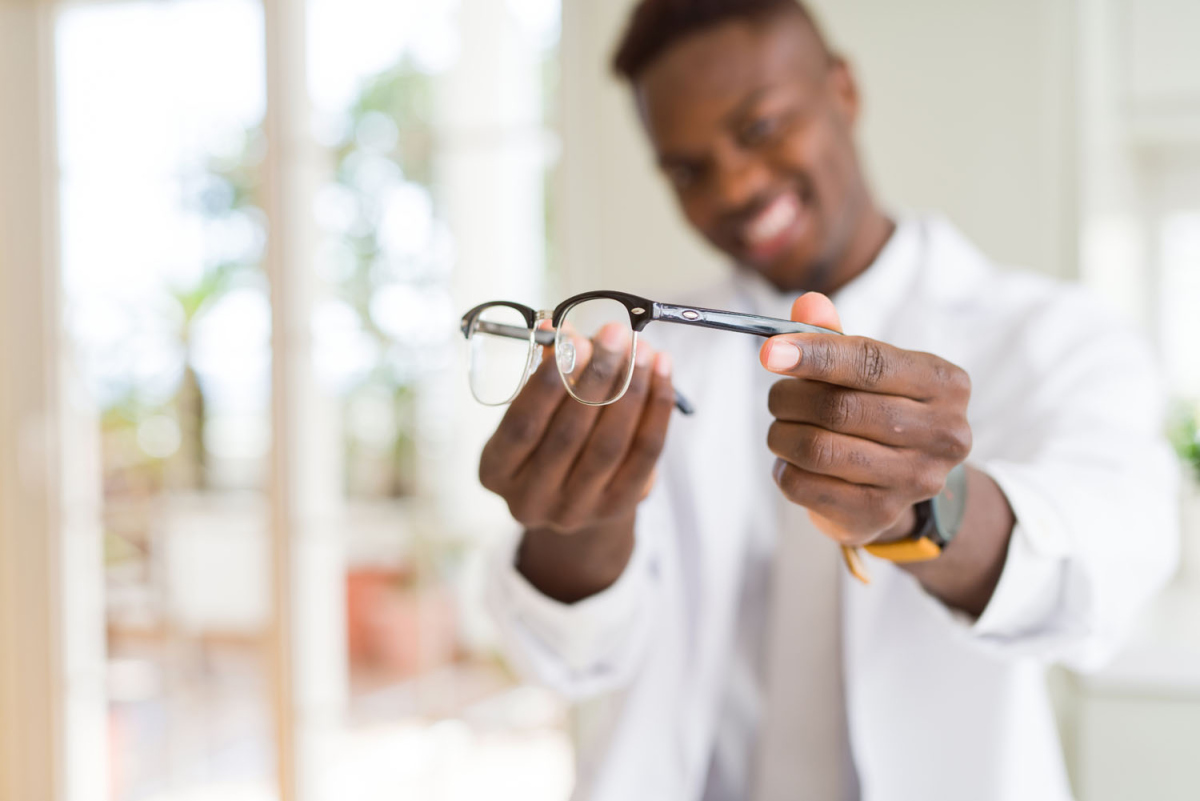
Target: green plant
<point>403,96</point>
<point>228,189</point>
<point>1185,436</point>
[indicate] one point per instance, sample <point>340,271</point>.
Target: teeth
<point>771,222</point>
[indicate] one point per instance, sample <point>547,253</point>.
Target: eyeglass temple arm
<point>545,338</point>
<point>733,321</point>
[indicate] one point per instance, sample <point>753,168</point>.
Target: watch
<point>938,522</point>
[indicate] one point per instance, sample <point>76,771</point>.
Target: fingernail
<point>644,355</point>
<point>783,355</point>
<point>662,365</point>
<point>777,471</point>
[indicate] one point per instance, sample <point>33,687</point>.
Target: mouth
<point>776,226</point>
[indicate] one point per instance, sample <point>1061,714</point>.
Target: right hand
<point>573,474</point>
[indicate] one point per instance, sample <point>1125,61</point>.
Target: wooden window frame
<point>32,715</point>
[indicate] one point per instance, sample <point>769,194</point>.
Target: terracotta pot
<point>396,627</point>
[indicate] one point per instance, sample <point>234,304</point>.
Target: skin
<point>573,474</point>
<point>742,116</point>
<point>863,431</point>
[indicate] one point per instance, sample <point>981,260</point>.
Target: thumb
<point>828,527</point>
<point>814,308</point>
<point>811,308</point>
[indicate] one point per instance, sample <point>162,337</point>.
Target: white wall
<point>619,227</point>
<point>968,110</point>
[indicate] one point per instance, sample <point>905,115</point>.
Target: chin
<point>796,271</point>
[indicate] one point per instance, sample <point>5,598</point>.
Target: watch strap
<point>921,546</point>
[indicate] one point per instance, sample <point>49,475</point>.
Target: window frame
<point>33,728</point>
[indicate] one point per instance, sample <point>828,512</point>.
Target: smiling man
<point>989,437</point>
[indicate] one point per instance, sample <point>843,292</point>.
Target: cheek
<point>817,158</point>
<point>699,214</point>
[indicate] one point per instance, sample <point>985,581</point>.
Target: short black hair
<point>655,25</point>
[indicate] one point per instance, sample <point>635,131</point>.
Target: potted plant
<point>1185,435</point>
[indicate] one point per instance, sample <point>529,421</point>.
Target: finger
<point>614,431</point>
<point>631,479</point>
<point>523,425</point>
<point>887,419</point>
<point>865,364</point>
<point>546,470</point>
<point>598,370</point>
<point>856,513</point>
<point>816,309</point>
<point>593,368</point>
<point>833,530</point>
<point>852,459</point>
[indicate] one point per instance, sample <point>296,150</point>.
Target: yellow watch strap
<point>921,549</point>
<point>855,564</point>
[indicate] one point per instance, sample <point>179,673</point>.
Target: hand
<point>573,474</point>
<point>863,430</point>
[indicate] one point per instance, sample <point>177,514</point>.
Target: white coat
<point>1066,413</point>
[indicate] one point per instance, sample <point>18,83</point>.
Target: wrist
<point>902,529</point>
<point>574,566</point>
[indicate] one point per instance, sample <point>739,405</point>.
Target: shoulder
<point>1029,341</point>
<point>1010,304</point>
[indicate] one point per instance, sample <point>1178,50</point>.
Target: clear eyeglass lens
<point>499,355</point>
<point>594,349</point>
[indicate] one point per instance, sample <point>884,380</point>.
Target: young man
<point>729,653</point>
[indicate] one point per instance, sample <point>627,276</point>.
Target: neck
<point>871,232</point>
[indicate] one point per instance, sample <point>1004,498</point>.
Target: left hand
<point>863,430</point>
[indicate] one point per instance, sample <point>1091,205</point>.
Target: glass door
<point>168,327</point>
<point>271,217</point>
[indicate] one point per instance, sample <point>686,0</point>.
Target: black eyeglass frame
<point>642,312</point>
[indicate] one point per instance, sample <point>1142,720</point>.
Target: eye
<point>758,131</point>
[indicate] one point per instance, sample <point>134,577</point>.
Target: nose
<point>741,179</point>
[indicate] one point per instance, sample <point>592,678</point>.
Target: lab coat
<point>1066,413</point>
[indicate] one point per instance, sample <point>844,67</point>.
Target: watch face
<point>950,504</point>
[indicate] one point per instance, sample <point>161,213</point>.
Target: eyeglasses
<point>594,336</point>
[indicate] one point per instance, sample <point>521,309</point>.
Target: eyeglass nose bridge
<point>539,336</point>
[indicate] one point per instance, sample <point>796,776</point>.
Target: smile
<point>772,228</point>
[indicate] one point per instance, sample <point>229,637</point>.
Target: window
<point>420,186</point>
<point>1140,196</point>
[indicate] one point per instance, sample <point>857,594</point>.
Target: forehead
<point>696,83</point>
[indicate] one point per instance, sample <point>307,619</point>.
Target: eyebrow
<point>730,120</point>
<point>747,103</point>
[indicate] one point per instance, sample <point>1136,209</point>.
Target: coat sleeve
<point>1094,490</point>
<point>591,646</point>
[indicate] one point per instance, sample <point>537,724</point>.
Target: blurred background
<point>241,535</point>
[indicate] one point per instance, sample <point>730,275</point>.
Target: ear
<point>844,87</point>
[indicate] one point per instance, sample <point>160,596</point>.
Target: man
<point>727,654</point>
